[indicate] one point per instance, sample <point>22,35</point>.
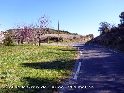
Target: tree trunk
<point>39,41</point>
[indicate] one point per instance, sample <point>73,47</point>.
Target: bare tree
<point>43,26</point>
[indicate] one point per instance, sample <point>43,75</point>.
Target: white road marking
<point>77,72</point>
<point>80,52</point>
<point>113,51</point>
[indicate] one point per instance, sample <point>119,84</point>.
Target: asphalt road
<point>98,70</point>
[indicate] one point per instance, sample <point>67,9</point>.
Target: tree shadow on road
<point>105,76</point>
<point>104,71</point>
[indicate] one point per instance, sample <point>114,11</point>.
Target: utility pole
<point>58,25</point>
<point>58,30</point>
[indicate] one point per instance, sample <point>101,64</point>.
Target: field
<point>25,66</point>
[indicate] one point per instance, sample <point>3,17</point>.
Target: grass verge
<point>30,69</point>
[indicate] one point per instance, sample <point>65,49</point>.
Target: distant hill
<point>47,31</point>
<point>54,31</point>
<point>48,34</point>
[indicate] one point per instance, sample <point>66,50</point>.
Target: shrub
<point>8,41</point>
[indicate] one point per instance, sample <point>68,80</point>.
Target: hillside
<point>111,37</point>
<point>47,35</point>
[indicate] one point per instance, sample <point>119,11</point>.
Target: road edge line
<point>77,71</point>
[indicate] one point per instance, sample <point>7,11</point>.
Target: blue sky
<point>77,16</point>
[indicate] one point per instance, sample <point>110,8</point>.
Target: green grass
<point>34,66</point>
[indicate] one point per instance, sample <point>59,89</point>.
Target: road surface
<point>98,70</point>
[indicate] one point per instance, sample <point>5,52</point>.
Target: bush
<point>8,41</point>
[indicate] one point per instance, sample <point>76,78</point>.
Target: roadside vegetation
<point>28,65</point>
<point>110,35</point>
